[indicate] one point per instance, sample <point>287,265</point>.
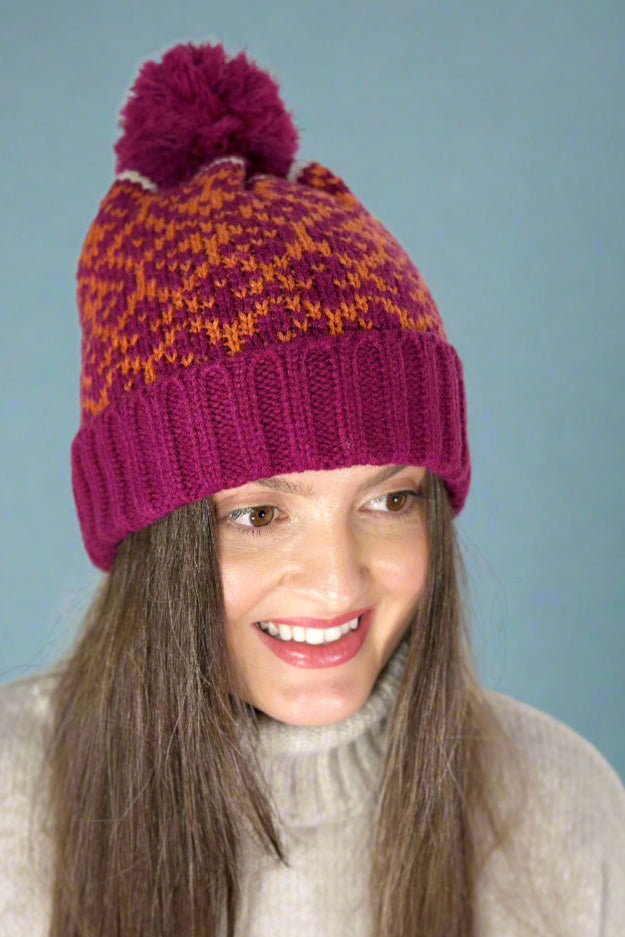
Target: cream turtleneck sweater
<point>565,873</point>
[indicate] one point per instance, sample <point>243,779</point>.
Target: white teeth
<point>314,636</point>
<point>308,635</point>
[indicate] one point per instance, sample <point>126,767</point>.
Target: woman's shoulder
<point>24,716</point>
<point>557,757</point>
<point>567,828</point>
<point>30,694</point>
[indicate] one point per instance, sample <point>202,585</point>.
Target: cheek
<point>402,567</point>
<point>245,582</point>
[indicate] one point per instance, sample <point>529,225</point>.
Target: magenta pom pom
<point>196,105</point>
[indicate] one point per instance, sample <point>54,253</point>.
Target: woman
<point>269,724</point>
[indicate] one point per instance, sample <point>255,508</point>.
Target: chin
<point>312,708</point>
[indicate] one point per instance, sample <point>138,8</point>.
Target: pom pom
<point>196,105</point>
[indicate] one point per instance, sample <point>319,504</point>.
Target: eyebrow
<point>278,483</point>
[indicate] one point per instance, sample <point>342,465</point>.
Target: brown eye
<point>261,516</point>
<point>397,500</point>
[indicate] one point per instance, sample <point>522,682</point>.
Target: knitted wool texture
<point>238,325</point>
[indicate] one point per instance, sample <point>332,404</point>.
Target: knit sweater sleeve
<point>24,875</point>
<point>566,855</point>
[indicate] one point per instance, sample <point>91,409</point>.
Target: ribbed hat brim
<point>376,397</point>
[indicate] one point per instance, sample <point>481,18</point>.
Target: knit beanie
<point>242,314</point>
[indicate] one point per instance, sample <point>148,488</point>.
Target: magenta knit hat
<point>243,315</point>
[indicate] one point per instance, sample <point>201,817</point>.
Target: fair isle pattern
<point>225,264</point>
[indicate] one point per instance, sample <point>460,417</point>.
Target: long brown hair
<point>152,784</point>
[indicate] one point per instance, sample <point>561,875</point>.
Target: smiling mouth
<point>313,636</point>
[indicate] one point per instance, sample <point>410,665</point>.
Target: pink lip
<point>319,622</point>
<point>309,656</point>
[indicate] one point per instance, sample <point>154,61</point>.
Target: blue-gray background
<point>489,137</point>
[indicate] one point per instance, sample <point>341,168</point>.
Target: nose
<point>329,564</point>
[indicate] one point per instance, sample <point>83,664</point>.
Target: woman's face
<point>321,574</point>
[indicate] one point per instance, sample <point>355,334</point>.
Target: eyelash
<point>414,497</point>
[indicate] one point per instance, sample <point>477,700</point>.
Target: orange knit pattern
<point>226,263</point>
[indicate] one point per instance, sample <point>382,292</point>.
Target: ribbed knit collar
<point>322,773</point>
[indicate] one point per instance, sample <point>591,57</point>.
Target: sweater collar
<point>322,773</point>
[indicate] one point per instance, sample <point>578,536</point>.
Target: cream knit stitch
<point>565,874</point>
